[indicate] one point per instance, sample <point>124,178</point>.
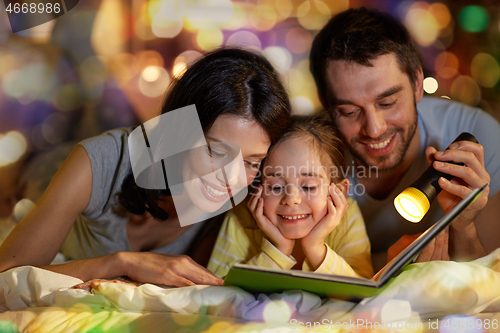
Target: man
<point>370,80</point>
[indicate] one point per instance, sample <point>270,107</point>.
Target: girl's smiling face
<point>295,187</point>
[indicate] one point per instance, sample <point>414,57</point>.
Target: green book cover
<point>265,280</point>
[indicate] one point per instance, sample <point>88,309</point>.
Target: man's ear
<point>419,85</point>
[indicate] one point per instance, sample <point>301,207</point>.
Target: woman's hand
<point>170,270</point>
<point>95,283</point>
<point>313,243</point>
<point>256,206</point>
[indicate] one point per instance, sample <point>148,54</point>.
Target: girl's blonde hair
<point>322,134</point>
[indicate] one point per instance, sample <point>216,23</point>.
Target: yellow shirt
<point>241,241</point>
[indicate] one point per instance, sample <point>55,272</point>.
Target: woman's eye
<point>214,153</point>
<point>253,165</point>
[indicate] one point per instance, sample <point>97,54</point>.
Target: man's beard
<point>381,160</point>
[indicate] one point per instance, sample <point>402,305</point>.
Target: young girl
<point>304,220</point>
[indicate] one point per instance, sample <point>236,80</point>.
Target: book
<point>266,280</point>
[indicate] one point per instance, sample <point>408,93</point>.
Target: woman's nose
<point>291,196</point>
<point>232,173</point>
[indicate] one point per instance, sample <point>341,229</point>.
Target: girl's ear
<point>344,186</point>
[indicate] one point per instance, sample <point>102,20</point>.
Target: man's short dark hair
<point>361,35</point>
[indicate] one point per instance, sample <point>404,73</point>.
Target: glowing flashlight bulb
<point>414,202</point>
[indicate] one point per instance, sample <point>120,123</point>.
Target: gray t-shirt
<point>101,228</point>
<point>440,122</point>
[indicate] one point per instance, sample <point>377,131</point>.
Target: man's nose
<point>375,124</point>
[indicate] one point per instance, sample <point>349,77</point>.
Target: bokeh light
<point>422,25</point>
<point>244,39</point>
<point>298,40</point>
<point>13,145</point>
<point>151,73</point>
<point>209,39</point>
<point>430,85</point>
<point>183,61</point>
<point>485,70</point>
<point>473,18</point>
<point>301,105</point>
<point>263,17</point>
<point>156,87</point>
<point>395,310</point>
<point>284,8</point>
<point>441,14</point>
<point>54,128</point>
<point>279,57</point>
<point>166,28</point>
<point>277,311</point>
<point>313,15</point>
<point>21,208</point>
<point>238,17</point>
<point>464,89</point>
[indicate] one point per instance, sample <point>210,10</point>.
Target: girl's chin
<point>295,234</point>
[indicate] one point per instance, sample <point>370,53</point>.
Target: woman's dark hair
<point>358,36</point>
<point>323,137</point>
<point>224,82</point>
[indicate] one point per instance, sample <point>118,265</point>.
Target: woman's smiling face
<point>207,187</point>
<point>295,187</point>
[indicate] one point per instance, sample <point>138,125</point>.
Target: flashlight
<point>414,202</point>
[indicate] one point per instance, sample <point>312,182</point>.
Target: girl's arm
<point>238,243</point>
<point>355,250</point>
<point>38,237</point>
<point>348,247</point>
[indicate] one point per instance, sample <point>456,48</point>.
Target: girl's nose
<point>291,196</point>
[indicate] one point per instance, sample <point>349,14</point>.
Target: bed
<point>434,296</point>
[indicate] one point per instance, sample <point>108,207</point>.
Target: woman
<point>94,213</point>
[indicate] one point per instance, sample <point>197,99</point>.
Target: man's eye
<point>387,105</point>
<point>347,112</point>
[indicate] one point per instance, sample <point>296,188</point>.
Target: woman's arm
<point>38,237</point>
<point>40,234</point>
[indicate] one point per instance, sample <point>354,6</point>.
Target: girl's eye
<point>276,189</point>
<point>309,188</point>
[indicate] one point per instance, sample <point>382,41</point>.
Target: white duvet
<point>422,291</point>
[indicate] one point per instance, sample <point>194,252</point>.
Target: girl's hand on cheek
<point>313,243</point>
<point>256,206</point>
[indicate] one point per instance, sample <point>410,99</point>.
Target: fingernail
<point>439,164</point>
<point>439,153</point>
<point>454,146</point>
<point>444,180</point>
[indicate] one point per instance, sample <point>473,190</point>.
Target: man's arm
<point>487,224</point>
<point>464,241</point>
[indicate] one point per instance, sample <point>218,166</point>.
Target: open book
<point>266,280</point>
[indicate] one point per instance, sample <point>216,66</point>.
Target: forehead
<point>350,81</point>
<point>294,157</point>
<point>248,134</point>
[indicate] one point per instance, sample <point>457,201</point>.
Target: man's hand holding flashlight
<point>468,177</point>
